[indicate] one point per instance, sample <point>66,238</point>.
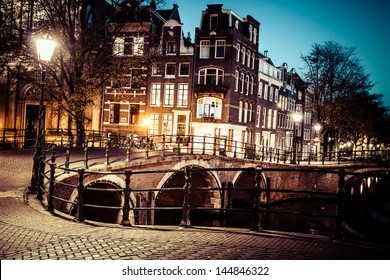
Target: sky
<point>290,28</point>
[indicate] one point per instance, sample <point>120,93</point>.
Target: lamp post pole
<point>297,119</point>
<point>45,49</point>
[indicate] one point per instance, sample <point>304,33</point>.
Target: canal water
<point>366,212</point>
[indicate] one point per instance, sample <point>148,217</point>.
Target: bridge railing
<point>51,168</point>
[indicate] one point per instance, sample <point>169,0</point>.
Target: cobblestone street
<point>30,232</point>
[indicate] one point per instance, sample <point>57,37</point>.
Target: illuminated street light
<point>297,120</point>
<point>45,48</point>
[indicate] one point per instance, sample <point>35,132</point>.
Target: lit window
<point>155,95</point>
<point>167,124</point>
<point>209,107</point>
<point>171,48</point>
<point>154,121</point>
<point>169,93</point>
<point>182,96</point>
<point>204,48</point>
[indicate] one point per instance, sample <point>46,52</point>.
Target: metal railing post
<point>128,151</point>
<point>191,137</point>
<point>86,154</point>
<point>80,197</point>
<point>126,204</point>
<point>50,202</point>
<point>185,222</point>
<point>41,175</point>
<point>67,158</point>
<point>338,235</point>
<point>256,207</point>
<point>107,155</point>
<point>163,147</point>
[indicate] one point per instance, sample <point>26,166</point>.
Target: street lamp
<point>297,120</point>
<point>45,48</point>
<point>317,138</point>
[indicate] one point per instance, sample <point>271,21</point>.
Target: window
<point>255,35</point>
<point>258,116</point>
<point>170,70</point>
<point>114,113</point>
<point>169,93</point>
<point>250,112</point>
<point>246,84</point>
<point>134,114</point>
<point>260,91</point>
<point>274,119</point>
<point>264,117</point>
<point>220,49</point>
<point>155,95</point>
<point>240,108</point>
<point>182,96</point>
<point>210,76</point>
<point>269,123</point>
<point>252,84</point>
<point>250,32</point>
<point>153,128</point>
<point>253,61</point>
<point>171,48</point>
<point>238,52</point>
<point>242,77</point>
<point>167,124</point>
<point>265,92</point>
<point>184,69</point>
<point>243,52</point>
<point>245,112</point>
<point>119,46</point>
<point>209,107</point>
<point>276,95</point>
<point>237,79</point>
<point>213,22</point>
<point>204,48</point>
<point>248,58</point>
<point>271,93</point>
<point>132,45</point>
<point>156,70</point>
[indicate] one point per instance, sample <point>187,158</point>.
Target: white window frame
<point>169,95</point>
<point>204,52</point>
<point>220,44</point>
<point>182,95</point>
<point>155,95</point>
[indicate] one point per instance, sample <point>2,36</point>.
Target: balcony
<point>211,90</point>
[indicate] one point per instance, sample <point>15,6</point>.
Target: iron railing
<point>59,163</point>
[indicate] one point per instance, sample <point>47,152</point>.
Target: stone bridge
<point>216,182</point>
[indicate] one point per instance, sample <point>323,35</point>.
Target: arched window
<point>210,76</point>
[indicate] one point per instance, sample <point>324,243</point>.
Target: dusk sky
<point>289,29</point>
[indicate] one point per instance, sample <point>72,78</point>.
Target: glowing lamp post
<point>45,48</point>
<point>297,120</point>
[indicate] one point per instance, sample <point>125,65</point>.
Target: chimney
<point>266,53</point>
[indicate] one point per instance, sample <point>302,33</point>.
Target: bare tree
<point>85,31</point>
<point>337,80</point>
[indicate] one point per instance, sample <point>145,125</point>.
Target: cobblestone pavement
<point>30,232</point>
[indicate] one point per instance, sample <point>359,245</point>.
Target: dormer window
<point>213,22</point>
<point>171,48</point>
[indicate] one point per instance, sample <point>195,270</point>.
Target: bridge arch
<point>203,194</point>
<point>95,194</point>
<point>242,196</point>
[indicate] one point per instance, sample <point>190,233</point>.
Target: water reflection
<point>366,213</point>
